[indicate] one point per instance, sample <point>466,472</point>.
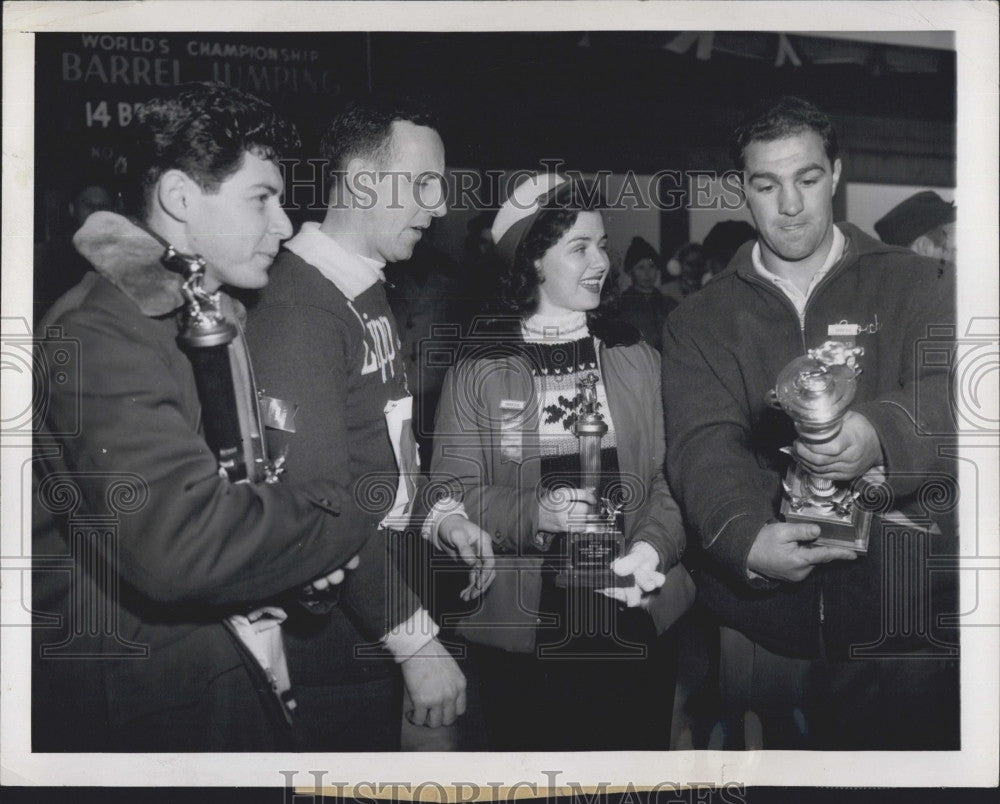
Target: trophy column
<point>592,543</point>
<point>590,428</point>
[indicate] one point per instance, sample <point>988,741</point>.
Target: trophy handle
<point>771,399</point>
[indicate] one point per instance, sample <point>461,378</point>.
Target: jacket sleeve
<point>913,416</point>
<point>185,534</point>
<point>710,463</point>
<point>461,466</point>
<point>301,354</point>
<point>659,522</point>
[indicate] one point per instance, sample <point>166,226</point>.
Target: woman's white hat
<point>519,212</point>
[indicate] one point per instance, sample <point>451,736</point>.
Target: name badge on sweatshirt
<point>511,430</point>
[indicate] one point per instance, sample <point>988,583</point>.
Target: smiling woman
<point>551,436</point>
<point>573,271</point>
<point>554,259</point>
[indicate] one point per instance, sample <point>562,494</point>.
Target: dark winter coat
<point>141,547</point>
<point>723,349</point>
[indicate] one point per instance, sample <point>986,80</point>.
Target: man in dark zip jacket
<point>809,641</point>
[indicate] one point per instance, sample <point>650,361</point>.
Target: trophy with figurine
<point>815,390</point>
<point>593,540</point>
<point>232,421</point>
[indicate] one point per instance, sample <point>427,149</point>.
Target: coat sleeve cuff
<point>729,541</point>
<point>410,636</point>
<point>441,510</point>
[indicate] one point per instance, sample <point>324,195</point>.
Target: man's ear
<point>176,193</point>
<point>360,179</point>
<point>836,176</point>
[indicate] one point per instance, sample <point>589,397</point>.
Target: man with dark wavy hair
<point>164,636</point>
<point>808,643</point>
<point>323,335</point>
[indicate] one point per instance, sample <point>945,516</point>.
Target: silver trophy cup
<point>816,390</point>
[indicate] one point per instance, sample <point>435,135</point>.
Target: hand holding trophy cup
<point>593,540</point>
<point>816,390</point>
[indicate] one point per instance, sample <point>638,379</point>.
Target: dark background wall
<point>619,101</point>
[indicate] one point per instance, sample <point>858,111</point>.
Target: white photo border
<point>975,27</point>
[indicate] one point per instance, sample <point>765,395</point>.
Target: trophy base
<point>847,527</point>
<point>834,531</point>
<point>588,556</point>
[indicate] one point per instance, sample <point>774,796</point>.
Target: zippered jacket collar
<point>858,245</point>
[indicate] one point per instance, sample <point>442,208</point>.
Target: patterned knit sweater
<point>563,353</point>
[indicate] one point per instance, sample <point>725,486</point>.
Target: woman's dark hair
<point>518,283</point>
<point>203,130</point>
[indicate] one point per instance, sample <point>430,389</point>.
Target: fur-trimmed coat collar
<point>129,258</point>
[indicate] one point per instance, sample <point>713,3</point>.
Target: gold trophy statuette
<point>816,390</point>
<point>232,424</point>
<point>593,540</point>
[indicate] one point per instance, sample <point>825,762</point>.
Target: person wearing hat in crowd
<point>642,303</point>
<point>924,223</point>
<point>557,666</point>
<point>688,268</point>
<point>721,244</point>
